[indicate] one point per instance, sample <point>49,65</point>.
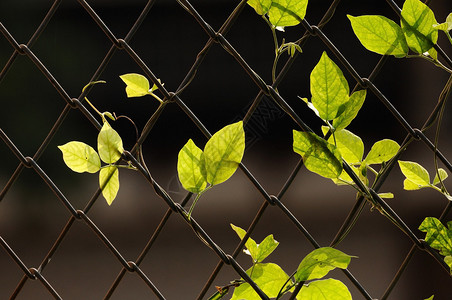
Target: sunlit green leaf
<point>223,152</point>
<point>136,85</point>
<point>417,24</point>
<point>351,109</point>
<point>415,173</point>
<point>109,182</point>
<point>349,145</point>
<point>80,157</point>
<point>430,298</point>
<point>260,6</point>
<point>438,236</point>
<point>287,12</point>
<point>443,175</point>
<point>327,289</point>
<point>268,277</point>
<point>266,247</point>
<point>250,244</point>
<point>191,168</point>
<point>109,144</point>
<point>380,35</point>
<point>448,261</point>
<point>319,156</point>
<point>446,26</point>
<point>319,262</point>
<point>329,88</point>
<point>382,151</point>
<point>386,195</point>
<point>411,186</point>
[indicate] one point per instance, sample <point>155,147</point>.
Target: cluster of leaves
<point>332,103</point>
<point>81,157</point>
<point>275,282</point>
<point>200,170</point>
<point>417,177</point>
<point>418,31</point>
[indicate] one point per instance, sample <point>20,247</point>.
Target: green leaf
<point>109,182</point>
<point>329,88</point>
<point>380,35</point>
<point>443,175</point>
<point>250,244</point>
<point>136,85</point>
<point>287,12</point>
<point>438,236</point>
<point>223,152</point>
<point>415,173</point>
<point>417,25</point>
<point>386,195</point>
<point>319,262</point>
<point>349,145</point>
<point>258,252</point>
<point>265,248</point>
<point>327,289</point>
<point>411,186</point>
<point>80,157</point>
<point>448,261</point>
<point>109,144</point>
<point>260,6</point>
<point>268,277</point>
<point>319,156</point>
<point>191,168</point>
<point>381,151</point>
<point>446,26</point>
<point>430,298</point>
<point>351,109</point>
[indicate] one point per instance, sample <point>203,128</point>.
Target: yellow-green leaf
<point>136,85</point>
<point>386,195</point>
<point>80,157</point>
<point>442,174</point>
<point>109,144</point>
<point>415,173</point>
<point>260,6</point>
<point>438,236</point>
<point>329,88</point>
<point>411,186</point>
<point>446,26</point>
<point>250,244</point>
<point>417,25</point>
<point>349,145</point>
<point>327,289</point>
<point>109,182</point>
<point>269,278</point>
<point>191,168</point>
<point>380,35</point>
<point>351,109</point>
<point>287,12</point>
<point>382,151</point>
<point>319,156</point>
<point>320,262</point>
<point>223,153</point>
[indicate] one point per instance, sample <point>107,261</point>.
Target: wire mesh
<point>145,246</point>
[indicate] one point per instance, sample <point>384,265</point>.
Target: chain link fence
<point>59,238</point>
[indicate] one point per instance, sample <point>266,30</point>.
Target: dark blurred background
<point>72,47</point>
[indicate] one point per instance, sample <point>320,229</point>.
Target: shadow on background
<point>179,264</point>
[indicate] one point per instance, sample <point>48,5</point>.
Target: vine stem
<point>435,62</point>
<point>196,200</point>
